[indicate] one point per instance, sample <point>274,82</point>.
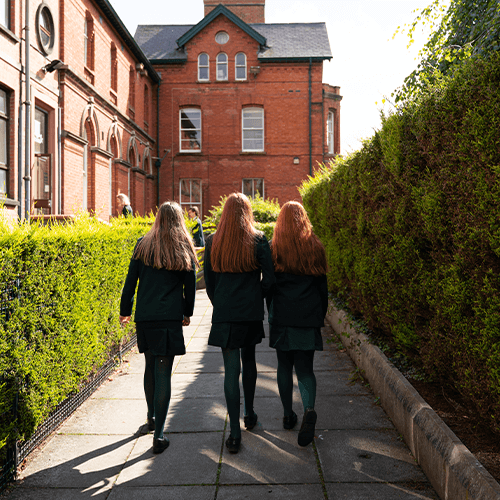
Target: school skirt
<point>161,338</point>
<point>293,338</point>
<point>236,335</point>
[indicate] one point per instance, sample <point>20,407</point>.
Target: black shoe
<point>160,445</point>
<point>233,444</point>
<point>290,422</point>
<point>250,421</point>
<point>306,433</point>
<point>147,428</point>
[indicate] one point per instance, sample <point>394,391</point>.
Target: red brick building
<point>189,113</point>
<point>242,103</point>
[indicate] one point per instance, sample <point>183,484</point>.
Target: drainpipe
<point>310,116</point>
<point>20,152</point>
<point>158,161</point>
<point>59,156</point>
<point>27,138</point>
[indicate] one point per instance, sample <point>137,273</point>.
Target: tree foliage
<point>460,29</point>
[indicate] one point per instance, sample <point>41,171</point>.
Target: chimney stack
<point>250,11</point>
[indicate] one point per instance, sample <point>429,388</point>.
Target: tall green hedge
<point>59,306</point>
<point>411,224</point>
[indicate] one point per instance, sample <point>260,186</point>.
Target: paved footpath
<point>98,453</point>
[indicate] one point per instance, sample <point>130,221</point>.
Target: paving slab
<point>261,459</point>
<point>191,459</point>
<point>195,362</point>
<point>366,456</point>
<point>196,415</point>
<point>271,492</point>
<point>162,493</point>
<point>385,491</point>
<point>197,385</point>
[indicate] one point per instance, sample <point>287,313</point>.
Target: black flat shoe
<point>306,433</point>
<point>250,421</point>
<point>147,428</point>
<point>290,422</point>
<point>160,445</point>
<point>233,444</point>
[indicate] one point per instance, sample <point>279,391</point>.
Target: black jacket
<point>300,301</point>
<point>198,237</point>
<point>162,294</point>
<point>239,297</point>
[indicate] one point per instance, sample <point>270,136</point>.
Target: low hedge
<point>411,227</point>
<point>60,292</point>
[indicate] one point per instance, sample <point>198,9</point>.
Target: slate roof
<point>299,41</point>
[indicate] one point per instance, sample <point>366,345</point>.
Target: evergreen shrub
<point>411,227</point>
<point>60,289</point>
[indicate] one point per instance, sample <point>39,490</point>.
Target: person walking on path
<point>238,272</point>
<point>198,237</point>
<point>124,205</point>
<point>297,307</point>
<point>164,262</point>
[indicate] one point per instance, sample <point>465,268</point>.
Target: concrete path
<point>98,452</point>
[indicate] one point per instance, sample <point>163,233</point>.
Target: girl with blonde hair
<point>164,262</point>
<point>297,309</point>
<point>238,275</point>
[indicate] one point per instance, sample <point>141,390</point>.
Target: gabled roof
<point>127,38</point>
<point>220,10</point>
<point>284,42</point>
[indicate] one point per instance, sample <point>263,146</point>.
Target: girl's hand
<point>186,321</point>
<point>124,320</point>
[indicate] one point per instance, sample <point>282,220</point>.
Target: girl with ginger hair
<point>164,262</point>
<point>297,309</point>
<point>238,275</point>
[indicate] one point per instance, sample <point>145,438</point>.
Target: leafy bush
<point>265,213</point>
<point>411,228</point>
<point>59,315</point>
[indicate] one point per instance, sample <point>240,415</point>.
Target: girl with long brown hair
<point>238,275</point>
<point>297,309</point>
<point>164,262</point>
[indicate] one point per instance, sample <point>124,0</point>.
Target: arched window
<point>203,68</point>
<point>241,66</point>
<point>221,66</point>
<point>330,131</point>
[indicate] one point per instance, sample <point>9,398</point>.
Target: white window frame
<point>4,118</point>
<point>192,150</point>
<point>86,42</point>
<point>239,66</point>
<point>5,14</point>
<point>222,65</point>
<point>204,66</point>
<point>244,129</point>
<point>330,123</point>
<point>253,179</point>
<point>186,204</point>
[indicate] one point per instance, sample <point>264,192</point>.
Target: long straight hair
<point>168,244</point>
<point>295,247</point>
<point>233,246</point>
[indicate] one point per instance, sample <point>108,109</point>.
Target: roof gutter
<point>310,116</point>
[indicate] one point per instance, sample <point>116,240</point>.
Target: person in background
<point>297,307</point>
<point>198,237</point>
<point>238,271</point>
<point>164,262</point>
<point>123,204</point>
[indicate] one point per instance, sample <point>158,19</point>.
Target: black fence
<point>12,454</point>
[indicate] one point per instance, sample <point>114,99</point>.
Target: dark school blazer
<point>162,294</point>
<point>300,301</point>
<point>239,297</point>
<point>198,238</point>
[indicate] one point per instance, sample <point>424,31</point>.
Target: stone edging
<point>451,468</point>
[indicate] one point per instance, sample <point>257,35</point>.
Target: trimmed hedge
<point>61,286</point>
<point>412,231</point>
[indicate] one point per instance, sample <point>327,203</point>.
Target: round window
<point>222,37</point>
<point>45,28</point>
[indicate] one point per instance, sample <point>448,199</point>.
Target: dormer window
<point>221,66</point>
<point>241,66</point>
<point>203,68</point>
<point>222,37</point>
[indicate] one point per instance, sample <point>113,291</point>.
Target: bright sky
<point>367,63</point>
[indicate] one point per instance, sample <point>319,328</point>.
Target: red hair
<point>295,247</point>
<point>233,246</point>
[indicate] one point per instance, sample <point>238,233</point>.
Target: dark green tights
<point>157,388</point>
<point>303,362</point>
<point>232,368</point>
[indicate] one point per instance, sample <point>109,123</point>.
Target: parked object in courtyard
<point>297,307</point>
<point>164,262</point>
<point>238,272</point>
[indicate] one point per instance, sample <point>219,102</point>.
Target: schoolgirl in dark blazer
<point>164,263</point>
<point>297,307</point>
<point>238,272</point>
